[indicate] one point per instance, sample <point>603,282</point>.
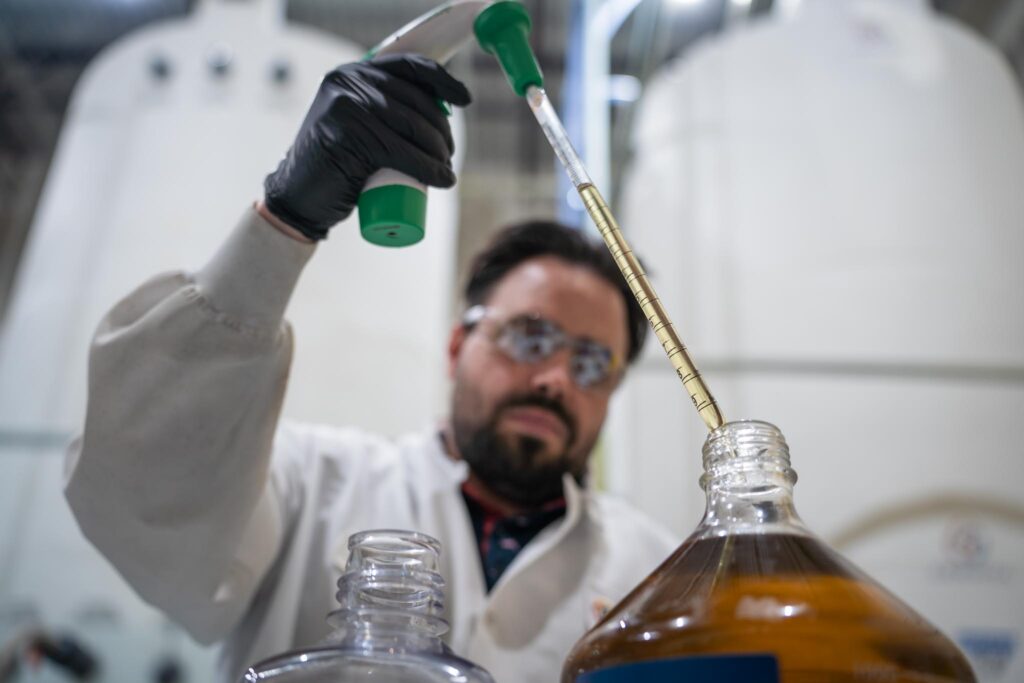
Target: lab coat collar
<point>575,501</point>
<point>446,478</point>
<point>455,472</point>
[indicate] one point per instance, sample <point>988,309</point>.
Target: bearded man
<point>235,522</point>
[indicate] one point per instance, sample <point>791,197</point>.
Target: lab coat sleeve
<point>171,478</point>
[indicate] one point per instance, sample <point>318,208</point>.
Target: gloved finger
<point>433,174</point>
<point>427,74</point>
<point>401,155</point>
<point>416,100</point>
<point>389,124</point>
<point>418,131</point>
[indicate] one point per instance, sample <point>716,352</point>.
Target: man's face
<point>520,425</point>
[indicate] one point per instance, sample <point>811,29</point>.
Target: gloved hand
<point>382,113</point>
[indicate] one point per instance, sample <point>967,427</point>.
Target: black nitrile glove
<point>382,113</point>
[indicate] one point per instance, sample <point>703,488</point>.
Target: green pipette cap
<point>503,30</point>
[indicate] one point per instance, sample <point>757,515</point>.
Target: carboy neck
<point>748,481</point>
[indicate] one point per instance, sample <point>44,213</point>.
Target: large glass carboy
<point>753,596</point>
<point>389,625</point>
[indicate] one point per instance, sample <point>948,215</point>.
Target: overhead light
<point>685,3</point>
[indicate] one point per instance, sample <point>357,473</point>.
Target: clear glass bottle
<point>389,625</point>
<point>752,595</point>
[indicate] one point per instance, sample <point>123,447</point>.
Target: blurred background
<point>828,196</point>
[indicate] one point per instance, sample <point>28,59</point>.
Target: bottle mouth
<point>393,549</point>
<point>746,446</point>
<point>392,580</point>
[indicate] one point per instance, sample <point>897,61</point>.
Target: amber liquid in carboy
<point>783,594</point>
<point>753,580</point>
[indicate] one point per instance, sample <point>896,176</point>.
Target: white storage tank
<point>831,203</point>
<point>167,139</point>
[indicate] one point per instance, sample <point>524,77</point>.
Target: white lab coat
<point>237,528</point>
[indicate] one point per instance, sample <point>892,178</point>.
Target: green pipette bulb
<point>503,30</point>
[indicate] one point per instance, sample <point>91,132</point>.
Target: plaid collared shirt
<point>500,537</point>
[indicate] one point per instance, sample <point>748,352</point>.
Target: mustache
<point>541,401</point>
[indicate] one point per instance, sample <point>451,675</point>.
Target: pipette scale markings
<point>627,262</point>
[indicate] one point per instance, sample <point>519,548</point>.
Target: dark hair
<point>521,242</point>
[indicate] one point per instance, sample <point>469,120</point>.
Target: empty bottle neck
<point>748,480</point>
<point>391,595</point>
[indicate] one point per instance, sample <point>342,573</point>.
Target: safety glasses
<point>532,339</point>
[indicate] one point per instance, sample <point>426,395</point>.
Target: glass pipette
<point>628,264</point>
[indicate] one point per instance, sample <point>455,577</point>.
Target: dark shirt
<point>500,537</point>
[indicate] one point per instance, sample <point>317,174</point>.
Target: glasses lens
<point>591,364</point>
<point>530,340</point>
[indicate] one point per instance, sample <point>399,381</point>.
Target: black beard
<point>511,466</point>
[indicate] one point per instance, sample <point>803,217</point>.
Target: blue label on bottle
<point>710,669</point>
